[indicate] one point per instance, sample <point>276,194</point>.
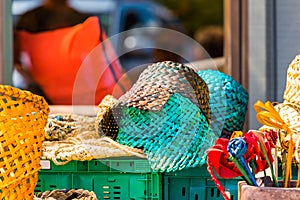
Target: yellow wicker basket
<point>23,116</point>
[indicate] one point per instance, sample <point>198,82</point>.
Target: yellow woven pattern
<point>23,116</point>
<point>267,115</point>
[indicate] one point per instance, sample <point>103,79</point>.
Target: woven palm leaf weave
<point>289,109</point>
<point>292,90</point>
<point>160,80</point>
<point>289,112</point>
<point>23,116</point>
<point>173,139</point>
<point>105,123</point>
<point>167,114</point>
<point>228,101</point>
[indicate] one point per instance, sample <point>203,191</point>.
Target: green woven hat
<point>167,114</point>
<point>228,101</point>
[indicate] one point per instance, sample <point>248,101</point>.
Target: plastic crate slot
<point>218,193</point>
<point>196,197</point>
<point>111,179</point>
<point>117,192</point>
<point>93,184</point>
<point>212,192</point>
<point>131,164</point>
<point>118,164</point>
<point>183,191</point>
<point>38,184</point>
<point>106,192</point>
<point>52,186</point>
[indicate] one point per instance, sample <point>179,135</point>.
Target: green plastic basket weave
<point>228,101</point>
<point>167,114</point>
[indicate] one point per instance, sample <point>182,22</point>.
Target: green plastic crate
<point>109,179</point>
<point>54,180</point>
<point>128,164</point>
<point>131,178</point>
<point>196,184</point>
<point>121,185</point>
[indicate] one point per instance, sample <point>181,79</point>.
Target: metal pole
<point>6,42</point>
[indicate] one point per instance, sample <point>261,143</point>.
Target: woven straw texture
<point>160,80</point>
<point>228,101</point>
<point>105,122</point>
<point>290,114</point>
<point>76,138</point>
<point>289,109</point>
<point>66,195</point>
<point>167,114</point>
<point>23,116</point>
<point>292,90</point>
<point>173,139</point>
<point>61,126</point>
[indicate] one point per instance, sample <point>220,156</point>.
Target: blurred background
<point>197,14</point>
<point>198,19</point>
<point>261,37</point>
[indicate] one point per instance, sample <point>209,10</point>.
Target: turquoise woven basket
<point>175,114</point>
<point>228,101</point>
<point>167,114</point>
<point>173,138</point>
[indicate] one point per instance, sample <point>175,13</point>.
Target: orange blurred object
<point>73,65</point>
